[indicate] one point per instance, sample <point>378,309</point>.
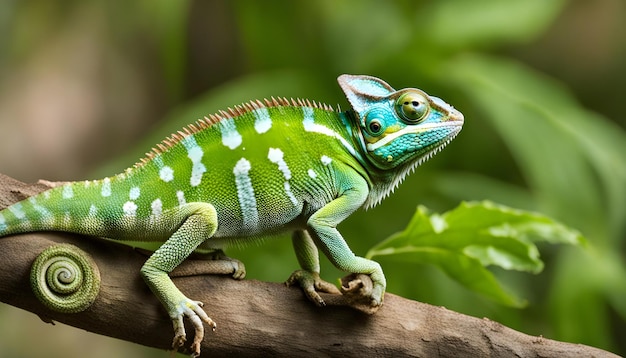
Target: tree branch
<point>256,318</point>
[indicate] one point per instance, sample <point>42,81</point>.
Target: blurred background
<point>87,87</point>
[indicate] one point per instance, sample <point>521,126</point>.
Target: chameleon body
<point>260,168</point>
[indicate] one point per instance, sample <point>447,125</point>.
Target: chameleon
<point>256,169</point>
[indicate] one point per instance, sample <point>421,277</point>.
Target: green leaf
<point>466,270</point>
<point>473,236</point>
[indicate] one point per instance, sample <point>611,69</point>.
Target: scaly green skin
<point>258,169</point>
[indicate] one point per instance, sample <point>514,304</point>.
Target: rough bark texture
<point>257,318</point>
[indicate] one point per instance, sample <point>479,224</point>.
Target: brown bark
<point>257,318</point>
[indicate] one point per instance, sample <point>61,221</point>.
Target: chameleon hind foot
<point>194,312</point>
<point>237,267</point>
<point>214,263</point>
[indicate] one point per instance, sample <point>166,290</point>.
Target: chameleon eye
<point>375,126</point>
<point>412,107</point>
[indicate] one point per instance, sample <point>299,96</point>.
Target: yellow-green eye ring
<point>412,107</point>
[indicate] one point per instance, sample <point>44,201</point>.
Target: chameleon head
<point>399,128</point>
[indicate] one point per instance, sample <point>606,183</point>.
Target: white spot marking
<point>310,126</point>
<point>157,208</point>
<point>263,121</point>
<point>134,193</point>
<point>230,137</point>
<point>195,153</point>
<point>326,160</point>
<point>3,225</point>
<point>166,174</point>
<point>293,199</point>
<point>68,192</point>
<point>67,219</point>
<point>181,198</point>
<point>46,194</point>
<point>45,214</point>
<point>16,210</point>
<point>130,208</point>
<point>245,194</point>
<point>276,156</point>
<point>106,187</point>
<point>93,211</point>
<point>312,173</point>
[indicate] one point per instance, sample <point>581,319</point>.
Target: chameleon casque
<point>260,168</point>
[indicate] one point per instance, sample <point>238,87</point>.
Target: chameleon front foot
<point>311,284</point>
<point>362,293</point>
<point>194,312</point>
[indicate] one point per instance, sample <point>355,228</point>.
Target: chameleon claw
<point>179,332</point>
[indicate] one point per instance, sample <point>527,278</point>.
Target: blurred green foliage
<point>528,140</point>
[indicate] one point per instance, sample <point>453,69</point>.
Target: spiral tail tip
<point>65,278</point>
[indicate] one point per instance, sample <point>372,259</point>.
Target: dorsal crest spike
<point>249,106</point>
<point>203,123</point>
<point>214,118</point>
<point>230,112</point>
<point>192,128</point>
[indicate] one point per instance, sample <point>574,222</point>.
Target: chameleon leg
<point>322,226</point>
<point>199,222</point>
<point>309,277</point>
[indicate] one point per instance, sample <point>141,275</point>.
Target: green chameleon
<point>260,168</point>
